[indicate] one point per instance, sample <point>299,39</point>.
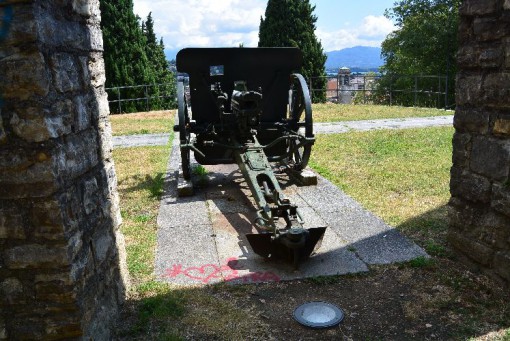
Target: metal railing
<point>145,97</point>
<point>405,90</point>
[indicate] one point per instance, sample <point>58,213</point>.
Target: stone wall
<point>61,254</point>
<point>480,184</point>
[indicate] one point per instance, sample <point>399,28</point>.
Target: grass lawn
<point>155,122</point>
<point>397,174</point>
<point>330,112</point>
<point>400,175</point>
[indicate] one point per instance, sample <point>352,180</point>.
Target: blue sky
<point>225,23</point>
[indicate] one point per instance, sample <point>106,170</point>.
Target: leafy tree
<point>291,23</point>
<point>424,43</point>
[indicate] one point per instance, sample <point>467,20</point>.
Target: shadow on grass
<point>153,184</point>
<point>437,298</point>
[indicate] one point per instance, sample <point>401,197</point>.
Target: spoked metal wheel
<point>184,134</point>
<point>300,117</point>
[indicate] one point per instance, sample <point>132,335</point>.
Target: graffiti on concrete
<point>209,273</point>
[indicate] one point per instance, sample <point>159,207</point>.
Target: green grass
<point>330,112</point>
<point>397,174</point>
<point>153,122</point>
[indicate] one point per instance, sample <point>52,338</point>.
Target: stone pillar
<point>480,184</point>
<point>61,253</point>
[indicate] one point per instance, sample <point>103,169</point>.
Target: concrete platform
<point>201,238</point>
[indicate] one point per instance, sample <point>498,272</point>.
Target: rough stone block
<point>74,244</point>
<point>493,230</point>
<point>105,133</point>
<point>11,223</point>
<point>501,198</point>
<point>473,249</point>
<point>46,220</point>
<point>471,120</point>
<point>502,264</point>
<point>469,186</point>
<point>506,5</point>
<point>461,149</point>
<point>306,177</point>
<point>491,57</point>
<point>99,107</point>
<point>86,8</point>
<point>3,134</point>
<point>95,68</point>
<point>83,264</point>
<point>20,30</point>
<point>184,187</point>
<point>35,256</point>
<point>3,331</point>
<point>469,89</point>
<point>54,292</point>
<point>12,291</point>
<point>502,126</point>
<point>26,174</point>
<point>77,156</point>
<point>68,328</point>
<point>90,195</point>
<point>96,38</point>
<point>490,157</point>
<point>23,76</point>
<point>102,245</point>
<point>58,32</point>
<point>81,114</point>
<point>479,7</point>
<point>489,29</point>
<point>65,69</point>
<point>62,278</point>
<point>468,57</point>
<point>34,124</point>
<point>495,94</point>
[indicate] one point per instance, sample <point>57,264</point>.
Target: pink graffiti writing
<point>210,272</point>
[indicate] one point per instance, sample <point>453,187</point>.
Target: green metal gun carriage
<point>246,106</point>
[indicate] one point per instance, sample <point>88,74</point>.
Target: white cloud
<point>204,23</point>
<point>372,32</point>
<point>215,23</point>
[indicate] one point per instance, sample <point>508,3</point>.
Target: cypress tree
<point>125,58</point>
<point>156,55</point>
<point>291,23</point>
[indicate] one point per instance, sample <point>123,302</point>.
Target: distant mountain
<point>362,57</point>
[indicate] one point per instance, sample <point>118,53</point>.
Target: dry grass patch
<point>140,173</point>
<point>151,122</point>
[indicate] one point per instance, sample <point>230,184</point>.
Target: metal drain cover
<point>318,315</point>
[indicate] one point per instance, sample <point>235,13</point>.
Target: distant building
<point>344,85</point>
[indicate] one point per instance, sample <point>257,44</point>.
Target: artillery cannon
<point>247,107</point>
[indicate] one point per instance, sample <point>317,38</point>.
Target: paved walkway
<point>201,239</point>
<point>319,128</point>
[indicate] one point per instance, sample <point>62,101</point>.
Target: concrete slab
<point>201,239</point>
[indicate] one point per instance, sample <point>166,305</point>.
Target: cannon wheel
<point>184,134</point>
<point>300,112</point>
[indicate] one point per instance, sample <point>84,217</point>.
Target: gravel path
<point>319,128</point>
